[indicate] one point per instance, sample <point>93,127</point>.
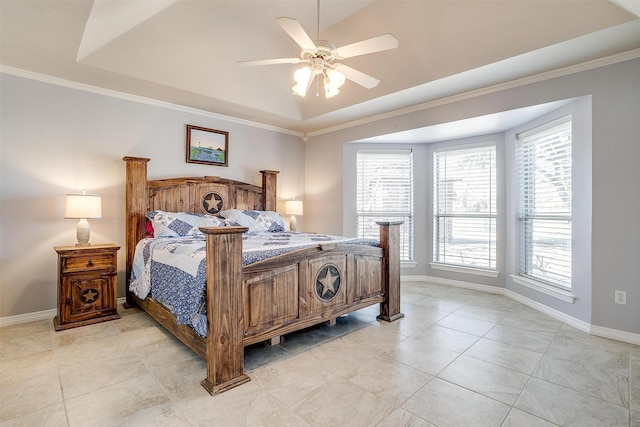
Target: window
<point>543,162</point>
<point>385,193</point>
<point>465,206</point>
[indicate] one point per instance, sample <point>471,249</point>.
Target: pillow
<point>255,220</point>
<point>149,229</point>
<point>180,224</point>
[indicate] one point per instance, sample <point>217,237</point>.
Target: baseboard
<point>600,331</point>
<point>34,317</point>
<point>615,334</point>
<point>28,317</point>
<point>558,315</point>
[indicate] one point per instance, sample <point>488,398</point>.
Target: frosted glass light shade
<point>302,77</point>
<point>332,82</point>
<point>82,207</point>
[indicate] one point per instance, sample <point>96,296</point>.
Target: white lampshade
<point>293,207</point>
<point>83,206</point>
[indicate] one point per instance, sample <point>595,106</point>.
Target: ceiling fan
<point>321,59</point>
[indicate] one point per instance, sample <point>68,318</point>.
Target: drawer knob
<point>90,263</point>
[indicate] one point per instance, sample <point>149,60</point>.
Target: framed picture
<point>207,146</point>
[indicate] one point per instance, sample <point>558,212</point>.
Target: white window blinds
<point>543,161</point>
<point>385,193</point>
<point>465,206</point>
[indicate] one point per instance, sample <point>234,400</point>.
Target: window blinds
<point>385,193</point>
<point>543,162</point>
<point>465,206</point>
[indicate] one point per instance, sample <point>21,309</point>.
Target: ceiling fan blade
<point>375,44</point>
<point>269,62</point>
<point>297,33</point>
<point>356,76</point>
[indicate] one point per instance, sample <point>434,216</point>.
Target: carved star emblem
<point>328,282</point>
<point>89,295</point>
<point>212,203</point>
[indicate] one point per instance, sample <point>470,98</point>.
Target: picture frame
<point>207,146</point>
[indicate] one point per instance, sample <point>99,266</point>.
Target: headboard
<point>206,195</point>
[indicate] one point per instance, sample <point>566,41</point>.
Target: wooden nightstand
<point>87,285</point>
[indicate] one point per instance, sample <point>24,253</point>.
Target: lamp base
<point>83,231</point>
<point>293,223</point>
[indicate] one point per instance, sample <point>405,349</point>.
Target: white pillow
<point>255,220</point>
<point>181,224</point>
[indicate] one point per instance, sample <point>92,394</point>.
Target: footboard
<point>288,293</point>
<point>320,284</point>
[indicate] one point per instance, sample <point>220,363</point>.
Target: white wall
<point>56,140</point>
<point>615,222</point>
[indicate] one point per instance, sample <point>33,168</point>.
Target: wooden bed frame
<point>267,299</point>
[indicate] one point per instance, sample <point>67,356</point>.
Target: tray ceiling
<point>185,52</point>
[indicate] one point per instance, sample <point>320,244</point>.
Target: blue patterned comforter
<point>172,270</point>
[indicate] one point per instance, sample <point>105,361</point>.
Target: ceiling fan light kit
<point>319,57</point>
<point>319,61</point>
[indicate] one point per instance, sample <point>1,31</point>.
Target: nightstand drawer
<point>88,262</point>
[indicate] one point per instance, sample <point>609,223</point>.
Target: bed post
<point>136,206</point>
<point>269,190</point>
<point>390,242</point>
<point>225,331</point>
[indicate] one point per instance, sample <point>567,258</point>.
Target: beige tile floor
<point>458,358</point>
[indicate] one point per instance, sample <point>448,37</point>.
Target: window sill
<point>465,270</point>
<point>561,294</point>
<point>408,264</point>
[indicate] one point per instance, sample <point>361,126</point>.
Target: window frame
<point>440,263</point>
<point>527,212</point>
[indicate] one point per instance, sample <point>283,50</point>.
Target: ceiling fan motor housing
<point>322,56</point>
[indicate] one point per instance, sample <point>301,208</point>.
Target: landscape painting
<point>207,146</point>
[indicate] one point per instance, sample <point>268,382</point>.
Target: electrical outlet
<point>620,297</point>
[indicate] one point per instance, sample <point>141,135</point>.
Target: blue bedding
<point>172,270</point>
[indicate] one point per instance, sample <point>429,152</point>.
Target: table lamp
<point>293,208</point>
<point>82,207</point>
